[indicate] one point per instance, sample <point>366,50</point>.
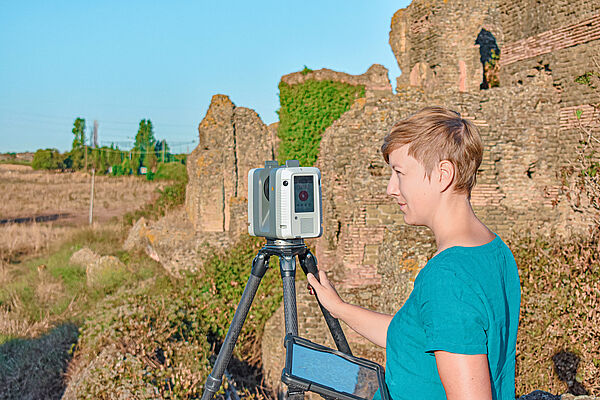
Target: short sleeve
<point>453,315</point>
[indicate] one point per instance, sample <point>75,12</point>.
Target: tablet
<point>331,373</point>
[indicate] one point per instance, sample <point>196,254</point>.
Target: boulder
<point>105,272</point>
<point>84,257</point>
<point>569,396</point>
<point>136,239</point>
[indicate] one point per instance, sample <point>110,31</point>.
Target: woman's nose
<point>392,188</point>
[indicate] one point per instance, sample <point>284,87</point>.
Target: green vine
<point>307,109</point>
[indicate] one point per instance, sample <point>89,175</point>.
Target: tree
<point>77,153</point>
<point>162,151</point>
<point>79,133</point>
<point>115,156</point>
<point>143,149</point>
<point>47,159</point>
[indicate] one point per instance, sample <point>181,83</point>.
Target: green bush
<point>48,159</point>
<point>117,170</point>
<point>307,109</point>
<point>173,171</point>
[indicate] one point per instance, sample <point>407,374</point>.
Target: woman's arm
<point>370,324</point>
<point>465,377</point>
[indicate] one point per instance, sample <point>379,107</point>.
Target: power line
<point>40,118</point>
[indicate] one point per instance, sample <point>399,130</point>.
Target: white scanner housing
<point>284,202</point>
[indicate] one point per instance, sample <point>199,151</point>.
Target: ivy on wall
<point>307,109</point>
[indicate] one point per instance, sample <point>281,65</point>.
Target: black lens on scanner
<point>266,188</point>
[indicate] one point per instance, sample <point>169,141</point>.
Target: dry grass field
<point>26,193</point>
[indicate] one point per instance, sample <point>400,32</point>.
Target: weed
<point>168,329</point>
<point>559,310</point>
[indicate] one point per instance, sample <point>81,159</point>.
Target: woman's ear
<point>446,177</point>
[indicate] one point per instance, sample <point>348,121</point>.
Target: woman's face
<point>410,188</point>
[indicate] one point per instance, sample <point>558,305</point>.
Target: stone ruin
<point>232,140</point>
<point>445,50</point>
<point>375,80</point>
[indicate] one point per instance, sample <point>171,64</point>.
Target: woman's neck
<point>457,225</point>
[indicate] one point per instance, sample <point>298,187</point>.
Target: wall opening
<point>489,55</point>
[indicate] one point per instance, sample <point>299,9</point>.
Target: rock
<point>174,242</point>
<point>569,396</point>
<point>565,364</point>
<point>539,395</point>
<point>84,257</point>
<point>374,80</point>
<point>106,271</point>
<point>232,140</point>
<point>136,239</point>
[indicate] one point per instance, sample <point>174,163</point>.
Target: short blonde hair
<point>435,134</point>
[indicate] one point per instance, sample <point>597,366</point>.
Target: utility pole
<point>163,150</point>
<point>93,173</point>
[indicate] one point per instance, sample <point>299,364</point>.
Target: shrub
<point>47,159</point>
<point>158,339</point>
<point>173,171</point>
<point>118,170</point>
<point>560,283</point>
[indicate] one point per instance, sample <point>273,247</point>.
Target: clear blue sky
<point>118,62</point>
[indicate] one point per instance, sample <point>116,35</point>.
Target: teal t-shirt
<point>465,300</point>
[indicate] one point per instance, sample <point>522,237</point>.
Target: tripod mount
<point>286,250</point>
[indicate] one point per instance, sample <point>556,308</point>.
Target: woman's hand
<point>370,324</point>
<point>326,293</point>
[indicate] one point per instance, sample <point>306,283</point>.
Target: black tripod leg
<point>287,264</point>
<point>214,380</point>
<point>308,262</point>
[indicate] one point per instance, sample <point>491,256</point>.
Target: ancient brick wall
<point>523,19</point>
<point>518,185</point>
<point>232,140</point>
<point>562,39</point>
<point>434,42</point>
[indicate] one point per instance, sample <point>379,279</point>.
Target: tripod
<point>286,250</point>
